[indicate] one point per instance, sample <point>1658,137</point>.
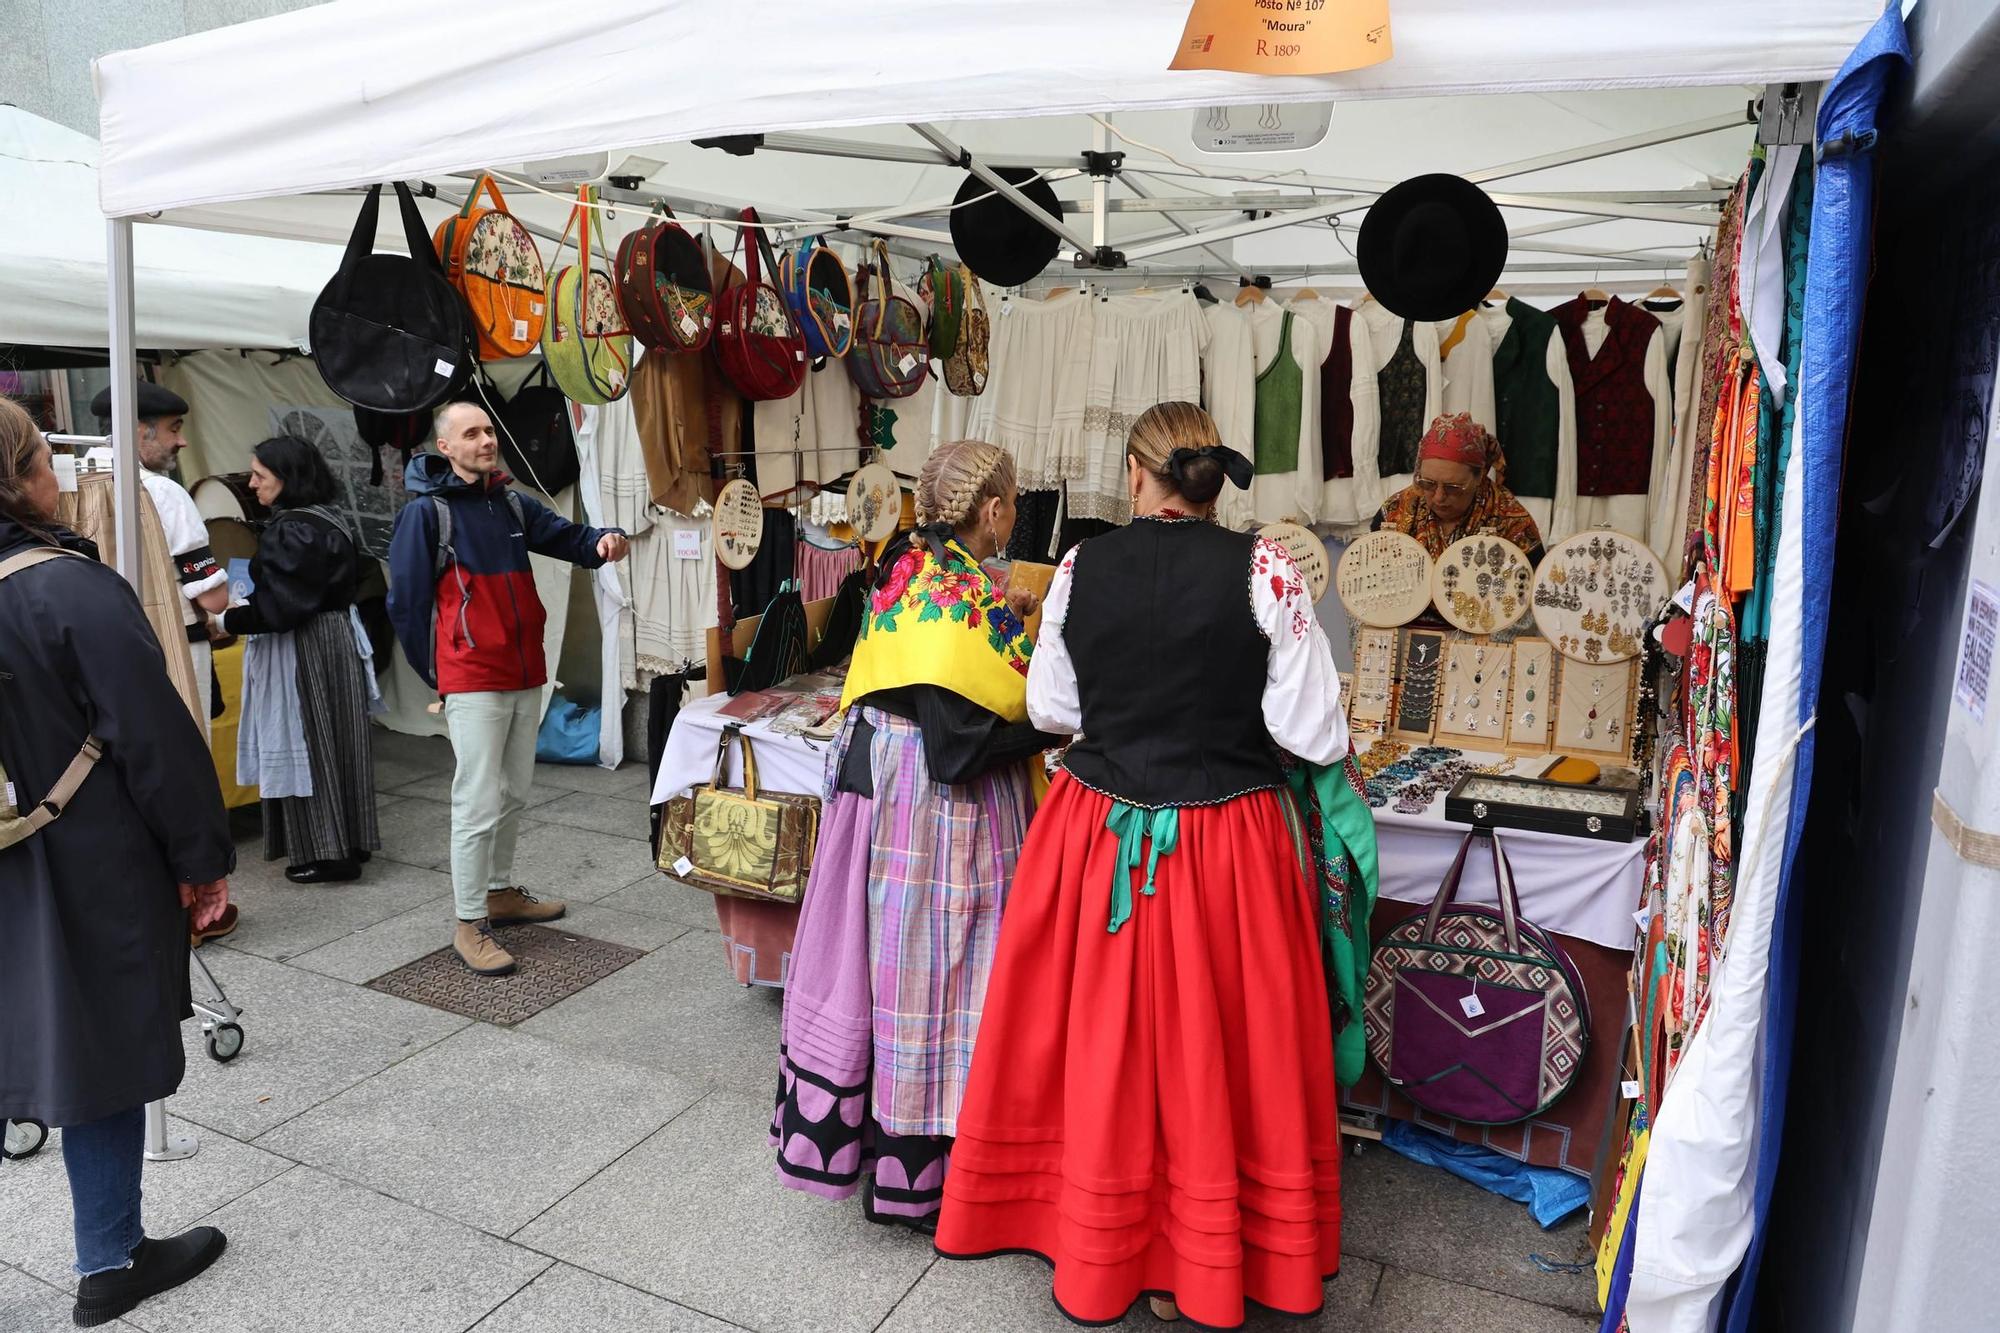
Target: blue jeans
<point>104,1159</point>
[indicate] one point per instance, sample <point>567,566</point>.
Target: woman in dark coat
<point>93,959</point>
<point>310,729</point>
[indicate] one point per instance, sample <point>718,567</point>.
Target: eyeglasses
<point>1442,488</point>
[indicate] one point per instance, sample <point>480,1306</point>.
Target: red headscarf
<point>1459,439</point>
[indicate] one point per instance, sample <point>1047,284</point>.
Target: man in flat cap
<point>204,582</point>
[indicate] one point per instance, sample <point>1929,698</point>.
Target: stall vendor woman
<point>1454,494</point>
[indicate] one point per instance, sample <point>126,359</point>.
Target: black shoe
<point>361,857</point>
<point>157,1266</point>
<point>323,872</point>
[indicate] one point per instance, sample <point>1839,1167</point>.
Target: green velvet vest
<point>1526,404</point>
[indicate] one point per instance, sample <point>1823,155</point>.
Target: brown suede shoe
<point>226,925</point>
<point>518,907</point>
<point>479,951</point>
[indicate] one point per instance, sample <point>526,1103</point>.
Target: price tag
<point>617,379</point>
<point>907,364</point>
<point>536,307</point>
<point>688,327</point>
<point>687,543</point>
<point>1630,1090</point>
<point>1643,918</point>
<point>444,368</point>
<point>520,330</point>
<point>10,797</point>
<point>1473,1008</point>
<point>683,867</point>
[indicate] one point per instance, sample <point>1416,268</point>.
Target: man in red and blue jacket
<point>463,601</point>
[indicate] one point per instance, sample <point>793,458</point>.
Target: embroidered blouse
<point>1301,699</point>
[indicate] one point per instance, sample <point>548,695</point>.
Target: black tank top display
<point>1170,666</point>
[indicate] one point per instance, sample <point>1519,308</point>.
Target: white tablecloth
<point>784,763</point>
<point>1573,886</point>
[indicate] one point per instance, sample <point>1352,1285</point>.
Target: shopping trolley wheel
<point>225,1043</point>
<point>24,1138</point>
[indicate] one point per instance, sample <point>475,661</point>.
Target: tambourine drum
<point>233,515</point>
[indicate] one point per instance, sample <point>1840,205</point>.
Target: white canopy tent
<point>195,289</point>
<point>1604,130</point>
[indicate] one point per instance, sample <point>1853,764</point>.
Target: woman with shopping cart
<point>112,831</point>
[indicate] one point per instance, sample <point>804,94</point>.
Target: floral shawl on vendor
<point>1494,512</point>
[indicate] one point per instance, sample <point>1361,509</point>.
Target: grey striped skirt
<point>338,819</point>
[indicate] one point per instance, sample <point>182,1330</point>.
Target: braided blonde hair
<point>960,477</point>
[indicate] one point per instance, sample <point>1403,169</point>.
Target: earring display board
<point>1384,579</point>
<point>738,524</point>
<point>1597,708</point>
<point>1307,551</point>
<point>1481,584</point>
<point>1474,690</point>
<point>874,502</point>
<point>1534,694</point>
<point>1374,681</point>
<point>1596,592</point>
<point>1416,700</point>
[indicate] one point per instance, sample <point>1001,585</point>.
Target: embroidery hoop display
<point>1534,695</point>
<point>1474,694</point>
<point>1597,707</point>
<point>1596,592</point>
<point>874,502</point>
<point>1384,579</point>
<point>1374,681</point>
<point>1416,698</point>
<point>1307,551</point>
<point>738,525</point>
<point>1481,584</point>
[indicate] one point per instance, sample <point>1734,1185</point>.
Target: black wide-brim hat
<point>1432,247</point>
<point>995,238</point>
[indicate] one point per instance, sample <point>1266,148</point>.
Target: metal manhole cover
<point>550,966</point>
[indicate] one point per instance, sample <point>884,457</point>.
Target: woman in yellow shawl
<point>929,791</point>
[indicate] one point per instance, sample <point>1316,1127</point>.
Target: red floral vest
<point>1614,409</point>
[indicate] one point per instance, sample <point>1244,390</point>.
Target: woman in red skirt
<point>1151,1102</point>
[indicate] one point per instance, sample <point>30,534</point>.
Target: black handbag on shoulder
<point>389,333</point>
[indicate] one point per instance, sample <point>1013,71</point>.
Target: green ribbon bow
<point>1134,827</point>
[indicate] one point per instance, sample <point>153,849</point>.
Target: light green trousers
<point>493,736</point>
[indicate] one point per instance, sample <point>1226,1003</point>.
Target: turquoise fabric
<point>1135,828</point>
<point>1341,831</point>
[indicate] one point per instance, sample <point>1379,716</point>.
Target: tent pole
<point>1692,129</point>
<point>124,399</point>
<point>1100,189</point>
<point>1187,229</point>
<point>956,155</point>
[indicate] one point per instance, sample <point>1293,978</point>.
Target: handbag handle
<point>888,288</point>
<point>734,732</point>
<point>1503,879</point>
<point>361,242</point>
<point>1503,889</point>
<point>487,187</point>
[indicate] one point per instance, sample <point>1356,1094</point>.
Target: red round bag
<point>756,338</point>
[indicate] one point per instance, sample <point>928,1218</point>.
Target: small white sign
<point>687,543</point>
<point>10,797</point>
<point>617,379</point>
<point>444,368</point>
<point>1643,918</point>
<point>520,330</point>
<point>536,306</point>
<point>1630,1089</point>
<point>1473,1008</point>
<point>1975,649</point>
<point>683,867</point>
<point>65,466</point>
<point>688,327</point>
<point>907,364</point>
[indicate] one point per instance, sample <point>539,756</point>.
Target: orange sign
<point>1285,36</point>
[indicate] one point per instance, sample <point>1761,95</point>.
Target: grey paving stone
<point>1414,1303</point>
<point>487,1127</point>
<point>632,929</point>
<point>281,920</point>
<point>416,832</point>
<point>308,1251</point>
<point>1012,1294</point>
<point>437,787</point>
<point>307,1037</point>
<point>599,813</point>
<point>28,1306</point>
<point>628,780</point>
<point>35,1226</point>
<point>668,899</point>
<point>677,1010</point>
<point>427,754</point>
<point>569,1300</point>
<point>561,861</point>
<point>693,1215</point>
<point>1426,1221</point>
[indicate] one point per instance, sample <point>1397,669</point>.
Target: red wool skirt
<point>1153,1110</point>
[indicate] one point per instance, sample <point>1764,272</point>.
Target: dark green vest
<point>1527,409</point>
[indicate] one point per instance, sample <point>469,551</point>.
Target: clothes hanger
<point>1250,291</point>
<point>1498,296</point>
<point>1662,292</point>
<point>1309,294</point>
<point>1597,296</point>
